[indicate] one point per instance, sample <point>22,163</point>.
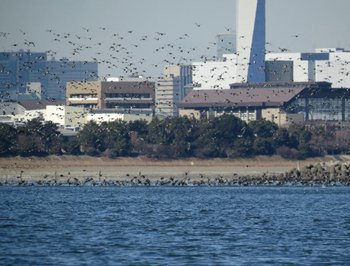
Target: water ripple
<point>174,226</point>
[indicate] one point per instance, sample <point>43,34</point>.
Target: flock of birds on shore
<point>310,175</point>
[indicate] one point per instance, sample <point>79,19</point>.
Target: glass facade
<point>185,80</point>
<point>326,108</point>
<point>347,109</point>
<point>17,69</point>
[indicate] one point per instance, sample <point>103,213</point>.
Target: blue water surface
<point>174,226</point>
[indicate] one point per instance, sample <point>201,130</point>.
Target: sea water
<point>174,226</point>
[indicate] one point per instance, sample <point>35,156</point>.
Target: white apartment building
<point>211,75</point>
<point>66,116</point>
<point>100,116</point>
<point>328,64</point>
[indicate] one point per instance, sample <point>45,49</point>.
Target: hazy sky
<point>122,34</point>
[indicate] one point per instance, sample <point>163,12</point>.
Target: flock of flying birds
<point>127,54</point>
<point>130,54</point>
<point>124,54</point>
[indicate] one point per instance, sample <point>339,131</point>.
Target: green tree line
<point>225,137</point>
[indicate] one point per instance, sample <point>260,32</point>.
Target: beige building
<point>280,117</point>
<point>84,94</point>
<point>113,100</point>
<point>272,102</point>
<point>190,113</point>
<point>167,97</point>
<point>121,95</point>
<point>172,88</point>
<point>168,92</point>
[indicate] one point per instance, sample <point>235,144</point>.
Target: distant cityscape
<point>244,79</point>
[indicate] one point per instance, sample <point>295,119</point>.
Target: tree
<point>37,137</point>
<point>70,145</point>
<point>50,136</point>
<point>184,133</point>
<point>228,128</point>
<point>328,136</point>
<point>91,139</point>
<point>242,148</point>
<point>8,137</point>
<point>173,133</point>
<point>116,138</point>
<point>301,141</point>
<point>218,135</point>
<point>140,127</point>
<point>263,146</point>
<point>300,133</point>
<point>263,128</point>
<point>157,133</point>
<point>281,138</point>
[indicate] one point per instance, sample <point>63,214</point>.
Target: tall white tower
<point>250,40</point>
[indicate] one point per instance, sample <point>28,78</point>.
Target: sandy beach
<point>81,167</point>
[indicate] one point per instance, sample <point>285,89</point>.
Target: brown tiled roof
<point>38,104</point>
<point>272,97</point>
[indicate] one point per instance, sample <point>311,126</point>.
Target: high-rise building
<point>250,40</point>
<point>171,89</point>
<point>18,69</point>
<point>167,96</point>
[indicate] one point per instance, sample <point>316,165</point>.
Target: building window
<point>83,96</point>
<point>325,109</point>
<point>128,95</point>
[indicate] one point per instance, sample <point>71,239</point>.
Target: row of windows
<point>128,95</point>
<point>83,96</point>
<point>128,105</point>
<point>322,108</point>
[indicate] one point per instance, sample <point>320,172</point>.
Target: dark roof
<point>39,104</point>
<point>142,86</point>
<point>272,97</point>
<point>281,84</point>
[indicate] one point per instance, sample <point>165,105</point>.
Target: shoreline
<point>86,170</point>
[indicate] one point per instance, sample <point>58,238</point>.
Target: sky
<point>141,36</point>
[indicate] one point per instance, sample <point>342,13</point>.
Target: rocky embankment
<point>329,174</point>
<point>324,174</point>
